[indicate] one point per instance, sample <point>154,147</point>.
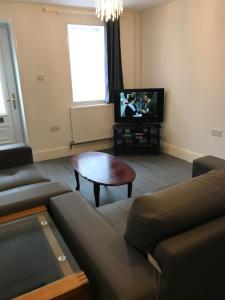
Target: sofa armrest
<point>29,196</point>
<point>15,155</point>
<point>115,269</point>
<point>205,164</point>
<point>193,262</point>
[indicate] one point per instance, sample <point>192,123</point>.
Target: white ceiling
<point>138,5</point>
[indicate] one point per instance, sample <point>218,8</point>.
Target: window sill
<point>92,103</point>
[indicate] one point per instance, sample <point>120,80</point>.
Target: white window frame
<point>91,102</point>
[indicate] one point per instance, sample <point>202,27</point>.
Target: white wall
<point>41,46</point>
<point>131,49</point>
<point>183,50</point>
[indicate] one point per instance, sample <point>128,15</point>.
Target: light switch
<point>40,77</point>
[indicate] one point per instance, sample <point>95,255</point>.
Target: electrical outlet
<point>40,77</point>
<point>54,129</point>
<point>217,132</point>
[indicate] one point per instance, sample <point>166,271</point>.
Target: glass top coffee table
<point>35,262</point>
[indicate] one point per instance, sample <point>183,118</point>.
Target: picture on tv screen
<point>139,105</point>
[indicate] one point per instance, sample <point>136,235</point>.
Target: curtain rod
<point>67,11</point>
<point>73,12</point>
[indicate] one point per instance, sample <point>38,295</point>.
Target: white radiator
<point>92,122</point>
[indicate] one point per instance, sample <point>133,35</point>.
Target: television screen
<point>139,105</point>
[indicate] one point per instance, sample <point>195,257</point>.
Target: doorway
<point>11,125</point>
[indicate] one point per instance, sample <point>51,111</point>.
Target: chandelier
<point>109,9</point>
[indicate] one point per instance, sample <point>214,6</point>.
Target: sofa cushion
<point>29,196</point>
<point>19,176</point>
<point>116,214</point>
<point>174,210</point>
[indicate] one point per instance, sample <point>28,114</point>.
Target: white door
<point>11,129</point>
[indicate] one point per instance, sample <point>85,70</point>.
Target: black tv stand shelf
<point>136,138</point>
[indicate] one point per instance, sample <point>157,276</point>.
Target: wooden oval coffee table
<point>102,169</point>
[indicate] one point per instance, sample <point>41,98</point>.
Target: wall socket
<point>54,128</point>
<point>217,132</point>
<point>40,77</point>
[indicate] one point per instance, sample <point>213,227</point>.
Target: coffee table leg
<point>96,193</point>
<point>77,179</point>
<point>129,190</point>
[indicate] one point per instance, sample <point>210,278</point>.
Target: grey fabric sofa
<point>17,167</point>
<point>182,228</point>
<point>22,185</point>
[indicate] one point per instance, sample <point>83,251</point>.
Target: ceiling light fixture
<point>109,9</point>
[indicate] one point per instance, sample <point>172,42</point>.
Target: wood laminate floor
<point>152,174</point>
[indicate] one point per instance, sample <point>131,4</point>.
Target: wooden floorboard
<point>152,174</point>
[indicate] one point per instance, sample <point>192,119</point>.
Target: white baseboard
<point>180,152</point>
<point>66,151</point>
<point>108,144</point>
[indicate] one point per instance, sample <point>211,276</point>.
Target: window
<point>87,62</point>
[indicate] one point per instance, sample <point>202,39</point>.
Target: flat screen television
<point>139,105</point>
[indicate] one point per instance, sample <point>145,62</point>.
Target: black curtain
<point>115,74</point>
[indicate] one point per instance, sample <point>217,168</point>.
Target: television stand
<point>136,138</point>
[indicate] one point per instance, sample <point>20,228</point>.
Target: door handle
<point>13,100</point>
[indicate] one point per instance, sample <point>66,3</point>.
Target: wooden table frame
<point>72,286</point>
